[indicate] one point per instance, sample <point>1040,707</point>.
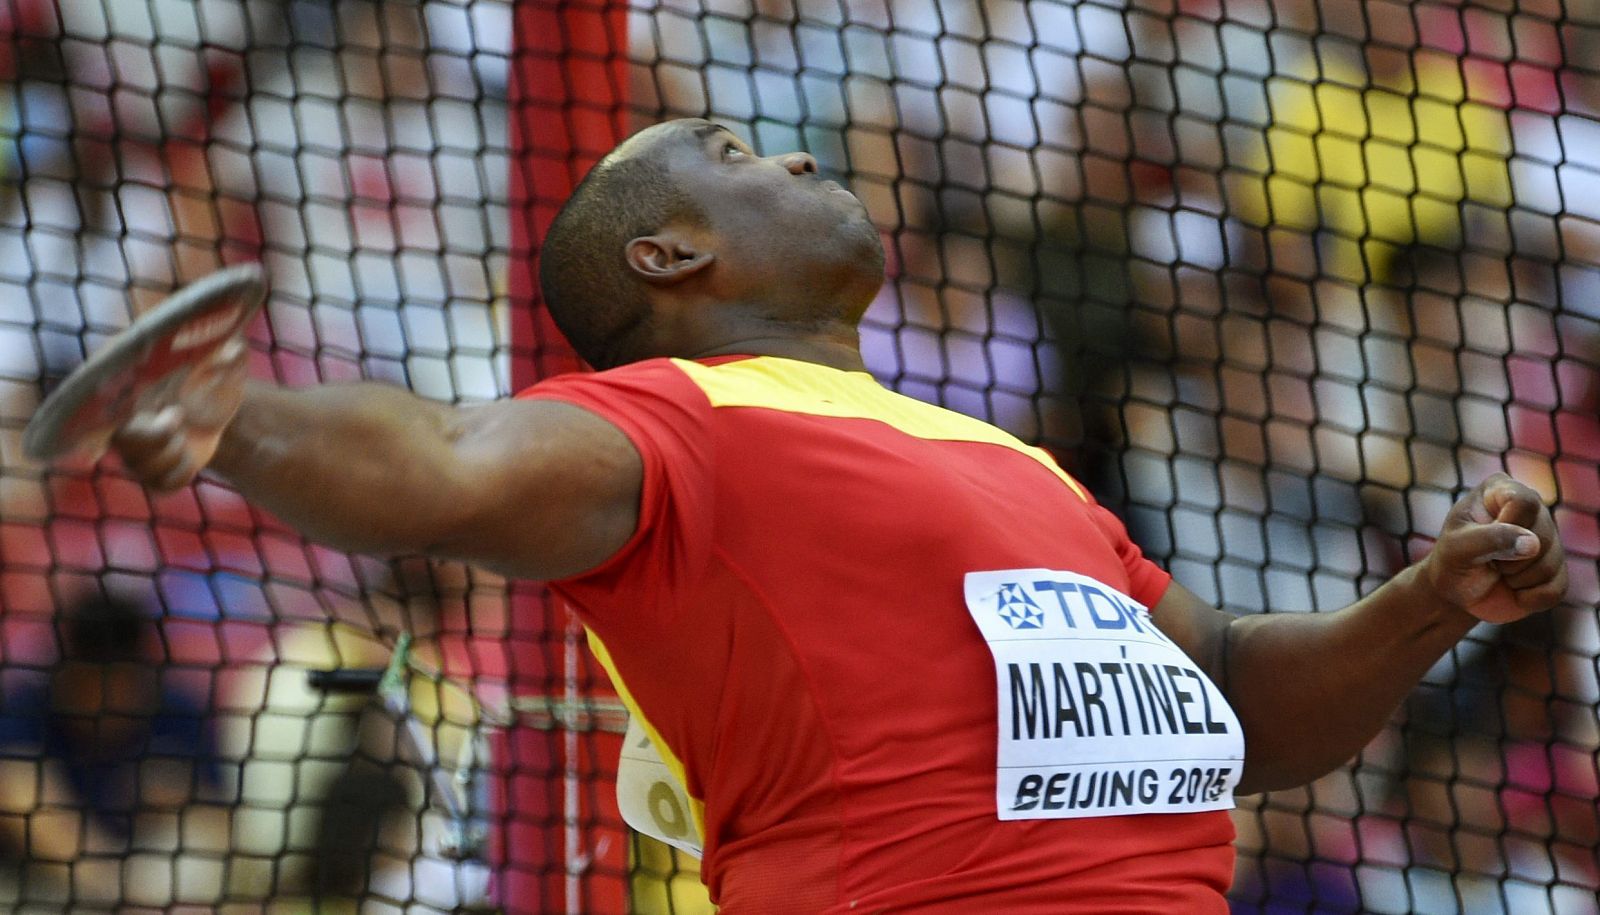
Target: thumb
<point>1478,544</point>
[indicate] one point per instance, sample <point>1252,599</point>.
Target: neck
<point>835,345</point>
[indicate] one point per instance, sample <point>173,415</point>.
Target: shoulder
<point>653,402</point>
<point>655,378</point>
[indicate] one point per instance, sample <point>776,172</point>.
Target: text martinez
<point>1108,699</point>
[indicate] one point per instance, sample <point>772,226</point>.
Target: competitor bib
<point>1100,713</point>
<point>649,798</point>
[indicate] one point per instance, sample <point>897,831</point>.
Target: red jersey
<point>794,621</point>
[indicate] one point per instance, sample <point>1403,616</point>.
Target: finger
<point>1536,571</point>
<point>182,472</point>
<point>231,353</point>
<point>1470,508</point>
<point>147,433</point>
<point>153,464</point>
<point>1512,502</point>
<point>1477,544</point>
<point>1551,551</point>
<point>1544,596</point>
<point>159,469</point>
<point>1478,512</point>
<point>155,448</point>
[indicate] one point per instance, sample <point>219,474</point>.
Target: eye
<point>732,151</point>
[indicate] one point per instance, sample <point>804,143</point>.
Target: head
<point>682,239</point>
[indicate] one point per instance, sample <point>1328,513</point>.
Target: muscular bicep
<point>547,489</point>
<point>1197,627</point>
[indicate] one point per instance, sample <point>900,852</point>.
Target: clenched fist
<point>1498,557</point>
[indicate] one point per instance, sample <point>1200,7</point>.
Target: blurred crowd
<point>358,151</point>
<point>1277,278</point>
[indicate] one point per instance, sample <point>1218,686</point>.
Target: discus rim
<point>60,426</point>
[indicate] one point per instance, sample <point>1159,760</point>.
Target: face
<point>774,220</point>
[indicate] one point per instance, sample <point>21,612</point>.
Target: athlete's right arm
<point>529,488</point>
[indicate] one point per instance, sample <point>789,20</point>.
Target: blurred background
<point>1276,279</point>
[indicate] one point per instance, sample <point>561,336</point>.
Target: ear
<point>665,259</point>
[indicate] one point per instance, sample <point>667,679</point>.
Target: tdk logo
<point>1017,607</point>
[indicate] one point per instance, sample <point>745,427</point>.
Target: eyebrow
<point>706,130</point>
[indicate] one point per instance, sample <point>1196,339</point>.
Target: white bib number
<point>1100,713</point>
<point>650,799</point>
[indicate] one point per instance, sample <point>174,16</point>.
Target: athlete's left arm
<point>1311,689</point>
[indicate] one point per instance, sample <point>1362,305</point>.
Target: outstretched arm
<point>1311,689</point>
<point>531,489</point>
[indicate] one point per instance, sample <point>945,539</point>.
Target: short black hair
<point>593,297</point>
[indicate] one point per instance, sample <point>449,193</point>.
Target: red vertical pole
<point>568,107</point>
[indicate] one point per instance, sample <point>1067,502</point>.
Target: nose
<point>799,163</point>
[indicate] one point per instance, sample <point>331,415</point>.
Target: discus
<point>145,367</point>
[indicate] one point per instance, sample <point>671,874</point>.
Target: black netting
<point>1275,279</point>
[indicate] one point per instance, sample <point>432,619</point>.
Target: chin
<point>864,238</point>
<point>868,277</point>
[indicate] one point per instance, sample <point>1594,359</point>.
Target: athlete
<point>898,660</point>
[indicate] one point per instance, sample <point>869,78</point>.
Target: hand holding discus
<point>161,391</point>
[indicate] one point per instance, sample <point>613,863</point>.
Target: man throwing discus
<point>897,659</point>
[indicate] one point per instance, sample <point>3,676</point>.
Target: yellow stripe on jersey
<point>793,386</point>
<point>697,806</point>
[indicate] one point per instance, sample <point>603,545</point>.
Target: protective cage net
<point>1277,280</point>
